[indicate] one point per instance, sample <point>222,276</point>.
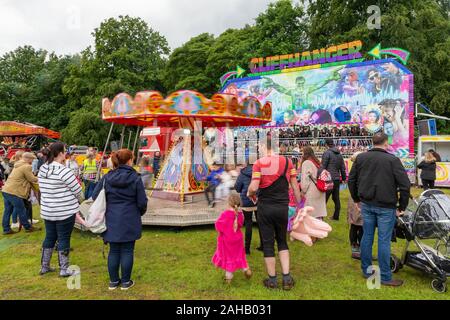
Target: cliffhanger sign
<point>332,54</point>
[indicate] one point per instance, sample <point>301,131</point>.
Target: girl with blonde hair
<point>428,171</point>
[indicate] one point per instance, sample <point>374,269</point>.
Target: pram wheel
<point>439,286</point>
<point>396,264</point>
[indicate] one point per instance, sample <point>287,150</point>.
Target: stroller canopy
<point>432,218</point>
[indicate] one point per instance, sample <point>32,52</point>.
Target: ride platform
<point>193,212</point>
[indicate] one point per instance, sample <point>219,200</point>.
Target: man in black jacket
<point>374,181</point>
<point>333,162</point>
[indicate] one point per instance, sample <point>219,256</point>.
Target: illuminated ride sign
<point>331,56</point>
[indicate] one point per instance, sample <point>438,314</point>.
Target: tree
<point>31,87</point>
<point>127,50</point>
<point>232,48</point>
<point>186,66</point>
<point>18,70</point>
<point>85,128</point>
<point>281,29</point>
<point>128,56</point>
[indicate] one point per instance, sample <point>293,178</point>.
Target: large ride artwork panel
<point>378,95</point>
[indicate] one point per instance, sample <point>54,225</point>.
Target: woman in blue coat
<point>126,202</point>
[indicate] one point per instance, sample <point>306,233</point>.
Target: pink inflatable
<point>305,227</point>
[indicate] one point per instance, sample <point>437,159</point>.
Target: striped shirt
<point>59,192</point>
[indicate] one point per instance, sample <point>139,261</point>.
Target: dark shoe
<point>7,233</point>
<point>288,283</point>
<point>114,285</point>
<point>260,248</point>
<point>45,261</point>
<point>270,284</point>
<point>127,285</point>
<point>247,252</point>
<point>32,229</point>
<point>356,255</point>
<point>392,283</point>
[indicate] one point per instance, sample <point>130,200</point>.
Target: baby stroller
<point>426,220</point>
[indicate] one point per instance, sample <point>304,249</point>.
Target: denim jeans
<point>60,231</point>
<point>89,187</point>
<point>384,220</point>
<point>14,205</point>
<point>121,254</point>
<point>28,208</point>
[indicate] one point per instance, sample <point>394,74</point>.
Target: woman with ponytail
<point>126,202</point>
<point>60,196</point>
<point>230,252</point>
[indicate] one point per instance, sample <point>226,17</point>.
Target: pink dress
<point>230,252</point>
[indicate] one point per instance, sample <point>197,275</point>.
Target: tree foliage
<point>128,56</point>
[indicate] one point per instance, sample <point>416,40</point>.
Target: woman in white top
<point>72,164</point>
<point>314,198</point>
<point>60,194</point>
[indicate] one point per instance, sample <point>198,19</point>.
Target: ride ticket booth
<point>440,144</point>
<point>155,139</point>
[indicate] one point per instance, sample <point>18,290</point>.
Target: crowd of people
<point>274,190</point>
<point>265,190</point>
<point>323,131</point>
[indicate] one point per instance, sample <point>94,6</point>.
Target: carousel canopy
<point>182,108</point>
<point>14,128</point>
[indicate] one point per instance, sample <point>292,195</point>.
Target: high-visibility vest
<point>89,166</point>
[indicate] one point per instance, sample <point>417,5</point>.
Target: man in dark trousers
<point>374,182</point>
<point>333,162</point>
<point>271,177</point>
<point>213,180</point>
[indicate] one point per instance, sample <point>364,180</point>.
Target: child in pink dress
<point>230,252</point>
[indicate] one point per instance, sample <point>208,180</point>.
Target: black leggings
<point>335,196</point>
<point>355,234</point>
<point>427,184</point>
<point>248,222</point>
<point>273,221</point>
<point>29,208</point>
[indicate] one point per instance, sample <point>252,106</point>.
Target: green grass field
<point>176,265</point>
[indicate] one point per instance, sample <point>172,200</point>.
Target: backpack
<point>324,181</point>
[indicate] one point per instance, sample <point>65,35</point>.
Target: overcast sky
<point>65,26</point>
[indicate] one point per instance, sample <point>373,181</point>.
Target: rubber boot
<point>63,258</point>
<point>45,261</point>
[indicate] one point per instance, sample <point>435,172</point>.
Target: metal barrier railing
<point>346,145</point>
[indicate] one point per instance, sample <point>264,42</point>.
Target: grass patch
<point>176,265</point>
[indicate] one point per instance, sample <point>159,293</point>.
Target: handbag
<point>95,215</point>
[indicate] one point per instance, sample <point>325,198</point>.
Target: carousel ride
<point>16,136</point>
<point>183,173</point>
